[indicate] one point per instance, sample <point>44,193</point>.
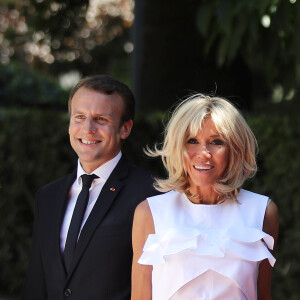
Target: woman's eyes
<point>192,141</point>
<point>218,142</point>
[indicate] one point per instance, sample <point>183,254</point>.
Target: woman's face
<point>207,157</point>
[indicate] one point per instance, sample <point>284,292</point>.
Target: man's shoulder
<point>138,169</point>
<point>126,167</point>
<point>139,180</point>
<point>62,181</point>
<point>140,173</point>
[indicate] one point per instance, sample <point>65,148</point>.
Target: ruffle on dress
<point>184,250</point>
<point>248,243</point>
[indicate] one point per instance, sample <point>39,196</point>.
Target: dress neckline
<point>202,204</point>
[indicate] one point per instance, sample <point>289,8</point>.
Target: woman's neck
<point>204,196</point>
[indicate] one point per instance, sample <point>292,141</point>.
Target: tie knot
<point>88,179</point>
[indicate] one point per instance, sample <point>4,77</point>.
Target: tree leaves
<point>235,29</point>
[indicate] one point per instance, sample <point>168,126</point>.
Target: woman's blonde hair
<point>186,121</point>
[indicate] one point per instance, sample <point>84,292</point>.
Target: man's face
<point>95,130</point>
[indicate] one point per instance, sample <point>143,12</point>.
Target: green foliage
<point>147,131</point>
<point>242,28</point>
<point>17,84</point>
<point>61,36</point>
<point>29,157</point>
<point>35,150</point>
<point>278,177</point>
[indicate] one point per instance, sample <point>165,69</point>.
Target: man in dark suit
<point>98,265</point>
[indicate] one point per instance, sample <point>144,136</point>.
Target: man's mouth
<point>86,142</point>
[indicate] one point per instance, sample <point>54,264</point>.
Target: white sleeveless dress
<point>203,251</point>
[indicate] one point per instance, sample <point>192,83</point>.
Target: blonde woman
<point>205,237</point>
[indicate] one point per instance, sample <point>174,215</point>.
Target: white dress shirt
<point>103,172</point>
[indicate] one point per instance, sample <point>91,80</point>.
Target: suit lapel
<point>108,194</point>
<point>62,200</point>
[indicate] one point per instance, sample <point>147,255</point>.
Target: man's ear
<point>126,129</point>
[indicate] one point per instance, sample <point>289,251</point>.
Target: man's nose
<point>89,125</point>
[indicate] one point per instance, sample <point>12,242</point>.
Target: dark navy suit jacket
<point>101,266</point>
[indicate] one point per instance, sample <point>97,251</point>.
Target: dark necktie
<point>77,217</point>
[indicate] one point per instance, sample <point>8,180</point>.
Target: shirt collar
<point>103,172</point>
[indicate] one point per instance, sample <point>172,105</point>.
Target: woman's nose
<point>204,152</point>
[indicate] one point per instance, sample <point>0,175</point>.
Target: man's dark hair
<point>108,85</point>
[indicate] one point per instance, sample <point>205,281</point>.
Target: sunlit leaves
<point>47,31</point>
<point>264,32</point>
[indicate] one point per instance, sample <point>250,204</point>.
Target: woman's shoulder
<point>245,196</point>
<point>159,204</point>
<point>256,207</point>
<point>143,216</point>
<point>168,195</point>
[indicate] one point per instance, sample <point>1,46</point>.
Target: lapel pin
<point>112,189</point>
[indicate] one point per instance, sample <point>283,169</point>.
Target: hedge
<point>21,86</point>
<point>35,150</point>
<point>278,177</point>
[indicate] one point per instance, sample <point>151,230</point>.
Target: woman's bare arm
<point>141,274</point>
<point>271,224</point>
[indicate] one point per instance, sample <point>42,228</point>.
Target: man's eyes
<point>82,117</point>
<point>100,119</point>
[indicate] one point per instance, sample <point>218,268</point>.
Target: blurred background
<point>246,51</point>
